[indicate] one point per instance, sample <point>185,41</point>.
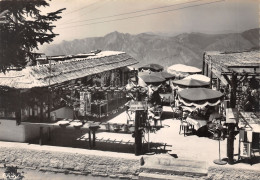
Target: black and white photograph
<point>129,89</point>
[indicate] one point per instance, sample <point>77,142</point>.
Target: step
<point>176,170</point>
<point>169,165</point>
<point>153,176</point>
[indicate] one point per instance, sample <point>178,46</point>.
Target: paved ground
<point>190,147</point>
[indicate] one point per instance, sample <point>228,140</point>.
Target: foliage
<point>23,30</point>
<point>11,173</point>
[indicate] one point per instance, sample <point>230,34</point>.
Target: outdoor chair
<point>185,126</point>
<point>157,117</point>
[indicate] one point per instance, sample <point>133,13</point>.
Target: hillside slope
<point>165,50</point>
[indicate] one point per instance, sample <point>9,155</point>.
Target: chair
<point>157,116</point>
<point>184,126</point>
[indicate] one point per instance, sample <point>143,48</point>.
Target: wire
<point>91,10</point>
<point>84,7</point>
<point>131,17</point>
<point>134,12</point>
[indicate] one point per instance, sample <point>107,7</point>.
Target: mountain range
<point>185,48</point>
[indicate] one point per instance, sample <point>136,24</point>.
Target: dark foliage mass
<point>22,29</point>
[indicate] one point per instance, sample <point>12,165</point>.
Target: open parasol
<point>200,97</point>
<point>165,75</point>
<point>182,70</point>
<point>152,67</point>
<point>199,77</point>
<point>190,83</point>
<point>152,78</point>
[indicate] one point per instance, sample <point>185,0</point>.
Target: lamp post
<point>219,161</point>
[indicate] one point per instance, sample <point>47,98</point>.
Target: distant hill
<point>186,48</point>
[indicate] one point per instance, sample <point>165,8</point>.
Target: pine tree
<point>22,29</point>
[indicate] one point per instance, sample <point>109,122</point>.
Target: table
<point>197,123</point>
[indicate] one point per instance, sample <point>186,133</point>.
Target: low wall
<point>100,165</point>
<point>70,163</point>
<point>9,131</point>
<point>219,173</point>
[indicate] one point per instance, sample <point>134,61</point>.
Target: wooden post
<point>233,90</point>
<point>138,132</point>
<point>40,138</point>
<point>203,64</point>
<point>218,84</point>
<point>231,126</point>
<point>89,139</point>
<point>211,78</point>
<point>207,70</point>
<point>49,133</point>
<point>230,143</point>
<point>138,135</point>
<point>94,138</point>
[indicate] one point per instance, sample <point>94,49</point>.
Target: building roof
<point>249,59</point>
<point>54,73</point>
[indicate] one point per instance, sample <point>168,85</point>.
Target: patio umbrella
<point>200,97</point>
<point>152,67</point>
<point>199,77</point>
<point>182,70</point>
<point>190,83</point>
<point>166,75</point>
<point>152,78</point>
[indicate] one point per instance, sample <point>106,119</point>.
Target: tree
<point>22,29</point>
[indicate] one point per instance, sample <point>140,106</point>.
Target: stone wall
<point>71,163</point>
<point>222,172</point>
<point>95,165</point>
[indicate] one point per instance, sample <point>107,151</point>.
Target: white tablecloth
<point>196,123</point>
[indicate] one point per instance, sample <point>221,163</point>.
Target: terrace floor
<point>189,147</point>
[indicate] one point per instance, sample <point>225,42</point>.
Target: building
<point>46,92</point>
<point>239,73</point>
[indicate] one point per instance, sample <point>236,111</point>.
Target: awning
<point>200,97</point>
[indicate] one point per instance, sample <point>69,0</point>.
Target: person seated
<point>214,114</point>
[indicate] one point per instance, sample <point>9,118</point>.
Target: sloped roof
<point>45,75</point>
<point>235,60</point>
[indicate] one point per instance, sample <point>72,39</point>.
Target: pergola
<point>231,69</point>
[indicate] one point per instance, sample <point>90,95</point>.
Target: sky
<point>95,18</point>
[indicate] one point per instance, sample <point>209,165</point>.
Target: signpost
<point>231,120</point>
<point>138,106</point>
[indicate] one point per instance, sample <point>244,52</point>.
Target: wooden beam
<point>227,79</point>
<point>241,73</point>
<point>249,66</point>
<point>219,76</point>
<point>241,79</point>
